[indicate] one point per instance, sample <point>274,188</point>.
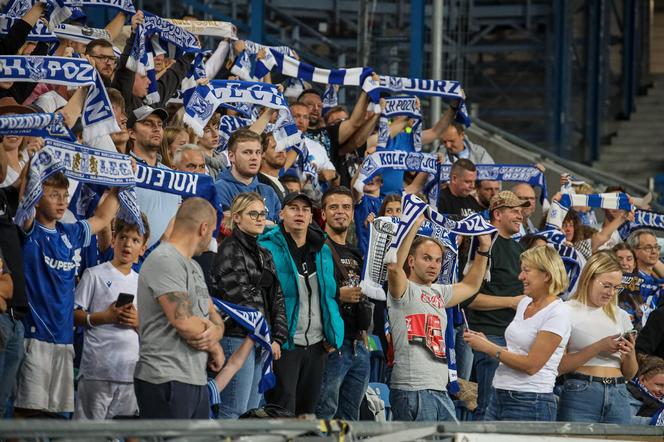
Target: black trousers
<point>172,400</point>
<point>299,374</point>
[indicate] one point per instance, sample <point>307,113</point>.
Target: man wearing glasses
<point>101,51</point>
<point>645,246</point>
<point>305,268</point>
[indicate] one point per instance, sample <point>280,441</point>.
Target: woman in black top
<point>243,273</point>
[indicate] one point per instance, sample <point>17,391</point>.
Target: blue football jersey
<point>50,268</point>
<point>368,204</point>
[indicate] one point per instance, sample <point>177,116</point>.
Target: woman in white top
<point>536,339</point>
<point>600,354</point>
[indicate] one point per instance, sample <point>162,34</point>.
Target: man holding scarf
<point>416,307</point>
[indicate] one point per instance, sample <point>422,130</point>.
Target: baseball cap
<point>506,198</point>
<point>141,113</point>
<point>289,198</point>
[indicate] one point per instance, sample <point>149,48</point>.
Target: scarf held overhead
<point>97,118</point>
<point>36,125</point>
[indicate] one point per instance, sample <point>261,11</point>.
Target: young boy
<point>110,346</point>
<point>46,379</point>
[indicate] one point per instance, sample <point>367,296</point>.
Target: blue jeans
<point>345,381</point>
<point>485,368</point>
<point>11,357</point>
<point>511,405</point>
<point>422,405</point>
<point>464,354</point>
<point>241,393</point>
<point>586,401</point>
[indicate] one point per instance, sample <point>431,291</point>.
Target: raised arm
<point>361,135</point>
<point>353,123</point>
<point>473,280</point>
<point>105,212</point>
<point>600,238</point>
<point>114,27</point>
<point>484,302</point>
<point>261,122</point>
<point>397,281</point>
<point>432,134</point>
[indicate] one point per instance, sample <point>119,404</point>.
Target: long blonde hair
<point>547,260</point>
<point>240,204</point>
<point>599,263</point>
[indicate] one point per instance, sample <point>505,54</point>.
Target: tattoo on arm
<point>183,307</point>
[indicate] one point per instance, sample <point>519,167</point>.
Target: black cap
<point>289,198</point>
<point>141,113</point>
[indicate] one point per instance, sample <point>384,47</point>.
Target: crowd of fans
<point>102,319</point>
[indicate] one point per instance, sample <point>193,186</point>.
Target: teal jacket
<point>333,326</point>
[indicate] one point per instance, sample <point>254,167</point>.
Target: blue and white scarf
<point>291,67</point>
<point>395,107</point>
<point>643,219</point>
<point>243,61</point>
<point>205,99</point>
<point>394,159</point>
<point>573,260</point>
<point>330,98</point>
<point>98,118</point>
<point>211,28</point>
<point>447,89</point>
<point>84,35</point>
<point>36,125</point>
<point>519,173</point>
<point>85,165</point>
<point>39,32</point>
<point>412,207</point>
<point>255,324</point>
<point>228,125</point>
<point>560,208</point>
<point>176,40</point>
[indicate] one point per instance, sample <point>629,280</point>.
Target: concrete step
<point>637,138</point>
<point>635,145</point>
<point>619,155</point>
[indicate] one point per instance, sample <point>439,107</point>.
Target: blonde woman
<point>600,356</point>
<point>243,273</point>
<point>536,340</point>
<point>173,139</point>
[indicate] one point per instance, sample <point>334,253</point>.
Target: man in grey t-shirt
<point>179,327</point>
<point>417,315</point>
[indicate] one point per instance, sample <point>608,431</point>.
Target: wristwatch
<point>498,354</point>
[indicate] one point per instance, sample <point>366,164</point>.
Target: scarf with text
<point>447,89</point>
<point>207,28</point>
<point>39,32</point>
<point>205,99</point>
<point>573,260</point>
<point>228,125</point>
<point>330,98</point>
<point>643,219</point>
<point>395,107</point>
<point>375,163</point>
<point>36,125</point>
<point>89,166</point>
<point>97,118</point>
<point>255,324</point>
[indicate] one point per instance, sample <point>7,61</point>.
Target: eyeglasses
<point>650,249</point>
<point>610,287</point>
<point>105,58</point>
<point>254,214</point>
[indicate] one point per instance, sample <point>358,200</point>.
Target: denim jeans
<point>241,393</point>
<point>10,357</point>
<point>511,405</point>
<point>422,405</point>
<point>485,368</point>
<point>586,401</point>
<point>464,354</point>
<point>345,381</point>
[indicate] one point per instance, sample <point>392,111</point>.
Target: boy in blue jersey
<point>110,349</point>
<point>46,379</point>
<point>367,206</point>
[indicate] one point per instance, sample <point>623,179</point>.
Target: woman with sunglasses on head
<point>600,356</point>
<point>243,273</point>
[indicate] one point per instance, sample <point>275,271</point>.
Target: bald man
<point>526,192</point>
<point>180,328</point>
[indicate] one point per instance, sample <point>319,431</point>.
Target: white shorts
<point>104,399</point>
<point>46,377</point>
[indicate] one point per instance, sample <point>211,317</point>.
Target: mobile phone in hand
<point>124,299</point>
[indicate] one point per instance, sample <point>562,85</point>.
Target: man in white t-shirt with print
<point>418,319</point>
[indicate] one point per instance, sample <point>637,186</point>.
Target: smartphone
<point>632,332</point>
<point>124,299</point>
